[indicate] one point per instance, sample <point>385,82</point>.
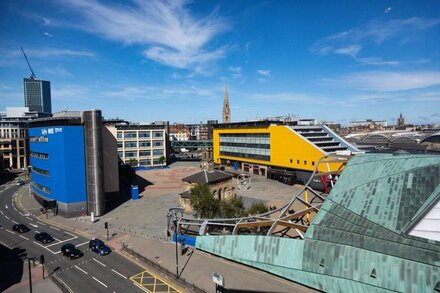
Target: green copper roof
<point>358,241</point>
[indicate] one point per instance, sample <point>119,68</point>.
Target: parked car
<point>20,228</point>
<point>43,238</point>
<point>19,182</point>
<point>71,251</point>
<point>99,247</point>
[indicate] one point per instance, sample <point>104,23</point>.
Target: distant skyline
<point>169,60</point>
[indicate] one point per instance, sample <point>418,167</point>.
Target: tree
<point>257,208</point>
<point>133,162</point>
<point>233,208</point>
<point>162,160</point>
<point>203,202</point>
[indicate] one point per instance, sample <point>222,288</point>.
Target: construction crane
<point>33,76</point>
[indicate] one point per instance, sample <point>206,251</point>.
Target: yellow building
<point>287,153</point>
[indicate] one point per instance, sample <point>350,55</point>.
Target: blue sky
<point>169,60</point>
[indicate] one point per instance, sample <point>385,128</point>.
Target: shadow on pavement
<point>11,266</point>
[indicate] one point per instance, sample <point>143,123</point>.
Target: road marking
<point>7,217</point>
<point>61,241</point>
<point>56,239</point>
<point>2,212</point>
<point>23,237</point>
<point>81,270</point>
<point>68,288</point>
<point>99,262</point>
<point>54,228</point>
<point>100,282</point>
<point>21,214</point>
<point>33,225</point>
<point>15,209</point>
<point>6,206</point>
<point>10,231</point>
<point>119,274</point>
<point>37,231</point>
<point>70,234</point>
<point>56,252</point>
<point>29,218</point>
<point>14,222</point>
<point>41,223</point>
<point>82,244</point>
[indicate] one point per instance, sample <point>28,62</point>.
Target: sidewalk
<point>196,268</point>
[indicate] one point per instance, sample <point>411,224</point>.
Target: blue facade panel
<point>65,164</point>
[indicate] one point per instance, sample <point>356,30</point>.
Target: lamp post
<point>173,217</point>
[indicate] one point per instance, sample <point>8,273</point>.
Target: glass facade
<point>246,145</point>
<point>37,95</point>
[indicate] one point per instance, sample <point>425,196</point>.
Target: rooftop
<point>209,177</point>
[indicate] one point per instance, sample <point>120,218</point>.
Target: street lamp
<point>174,215</point>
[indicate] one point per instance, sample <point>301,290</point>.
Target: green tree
<point>133,162</point>
<point>162,160</point>
<point>257,208</point>
<point>204,204</point>
<point>233,208</point>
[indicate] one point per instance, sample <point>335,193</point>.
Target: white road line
<point>54,228</point>
<point>37,231</point>
<point>7,217</point>
<point>56,239</point>
<point>14,222</point>
<point>10,231</point>
<point>15,209</point>
<point>56,252</point>
<point>100,282</point>
<point>2,212</point>
<point>99,262</point>
<point>41,223</point>
<point>21,214</point>
<point>119,274</point>
<point>82,244</point>
<point>33,225</point>
<point>81,270</point>
<point>23,237</point>
<point>29,218</point>
<point>61,241</point>
<point>70,234</point>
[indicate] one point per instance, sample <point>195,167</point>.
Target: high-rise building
<point>226,109</point>
<point>37,95</point>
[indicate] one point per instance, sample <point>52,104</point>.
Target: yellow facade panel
<point>287,149</point>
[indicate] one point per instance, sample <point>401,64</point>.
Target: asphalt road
<point>90,273</point>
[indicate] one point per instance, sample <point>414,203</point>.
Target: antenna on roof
<point>33,76</point>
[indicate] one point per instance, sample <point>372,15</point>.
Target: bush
<point>233,208</point>
<point>258,208</point>
<point>204,204</point>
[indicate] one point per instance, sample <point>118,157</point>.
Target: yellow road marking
<point>143,280</point>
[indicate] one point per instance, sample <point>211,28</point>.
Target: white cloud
<point>264,72</point>
<point>45,52</point>
<point>174,37</point>
<point>58,71</point>
<point>48,34</point>
<point>388,10</point>
<point>387,81</point>
<point>237,72</point>
<point>350,50</point>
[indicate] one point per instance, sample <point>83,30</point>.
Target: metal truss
<point>291,220</point>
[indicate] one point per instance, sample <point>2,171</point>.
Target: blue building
<point>63,152</point>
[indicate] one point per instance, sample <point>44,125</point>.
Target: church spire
<point>226,109</point>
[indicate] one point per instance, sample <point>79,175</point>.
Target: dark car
<point>99,247</point>
<point>43,238</point>
<point>71,251</point>
<point>20,228</point>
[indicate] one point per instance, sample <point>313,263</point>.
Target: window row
<point>39,155</point>
<point>133,154</point>
<point>40,171</point>
<point>140,134</point>
<point>247,156</point>
<point>246,145</point>
<point>39,139</point>
<point>244,150</point>
<point>41,187</point>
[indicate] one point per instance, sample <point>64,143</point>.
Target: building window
<point>157,134</point>
<point>39,155</point>
<point>120,154</point>
<point>157,152</point>
<point>144,144</point>
<point>144,134</point>
<point>130,144</point>
<point>313,163</point>
<point>305,162</point>
<point>144,162</point>
<point>119,145</point>
<point>158,143</point>
<point>130,134</point>
<point>130,154</point>
<point>157,162</point>
<point>40,171</point>
<point>38,139</point>
<point>144,153</point>
<point>41,187</point>
<point>297,161</point>
<point>119,135</point>
<point>290,160</point>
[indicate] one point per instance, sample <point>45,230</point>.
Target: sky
<point>146,60</point>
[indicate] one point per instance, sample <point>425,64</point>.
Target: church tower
<point>226,109</point>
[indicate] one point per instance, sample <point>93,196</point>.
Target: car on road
<point>43,238</point>
<point>19,182</point>
<point>99,247</point>
<point>71,251</point>
<point>20,228</point>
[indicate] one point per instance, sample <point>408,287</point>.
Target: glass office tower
<point>37,95</point>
